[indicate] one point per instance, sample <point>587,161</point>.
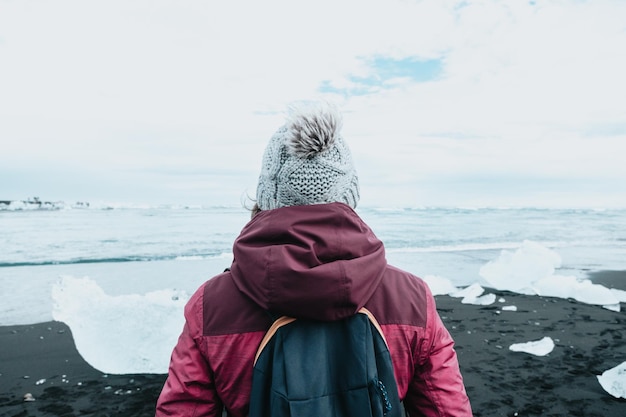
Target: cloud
<point>432,90</point>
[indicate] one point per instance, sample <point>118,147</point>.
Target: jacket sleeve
<point>189,389</point>
<point>437,387</point>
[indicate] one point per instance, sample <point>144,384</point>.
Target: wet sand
<point>610,279</point>
<point>42,360</point>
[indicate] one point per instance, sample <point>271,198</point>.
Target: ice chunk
<point>619,294</point>
<point>538,347</point>
<point>570,287</point>
<point>531,270</point>
<point>120,334</point>
<point>473,295</point>
<point>439,285</point>
<point>516,271</point>
<point>483,300</point>
<point>473,290</point>
<point>613,381</point>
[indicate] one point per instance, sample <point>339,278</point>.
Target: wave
<point>221,255</point>
<point>389,248</point>
<point>466,209</point>
<point>499,246</point>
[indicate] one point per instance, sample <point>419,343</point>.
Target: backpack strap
<point>369,314</point>
<point>285,320</point>
<point>278,323</point>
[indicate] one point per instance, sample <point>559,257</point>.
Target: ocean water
<point>116,270</point>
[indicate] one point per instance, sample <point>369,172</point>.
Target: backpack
<point>324,369</point>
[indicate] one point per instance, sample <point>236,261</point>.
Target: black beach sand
<point>41,360</point>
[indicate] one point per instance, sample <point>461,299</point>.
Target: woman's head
<point>307,161</point>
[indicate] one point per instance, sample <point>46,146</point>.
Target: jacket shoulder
<point>225,310</point>
<point>401,298</point>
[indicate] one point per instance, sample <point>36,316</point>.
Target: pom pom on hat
<point>312,128</point>
<point>307,161</point>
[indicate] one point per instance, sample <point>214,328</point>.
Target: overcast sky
<point>446,103</point>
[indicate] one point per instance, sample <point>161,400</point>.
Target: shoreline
<point>588,340</point>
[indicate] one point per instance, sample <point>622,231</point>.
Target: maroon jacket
<point>320,262</point>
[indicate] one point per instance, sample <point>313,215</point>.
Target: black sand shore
<point>41,359</point>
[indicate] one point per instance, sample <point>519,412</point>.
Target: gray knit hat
<point>308,162</point>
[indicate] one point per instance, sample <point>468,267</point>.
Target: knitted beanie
<point>308,162</point>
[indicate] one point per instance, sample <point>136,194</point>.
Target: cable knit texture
<point>307,162</point>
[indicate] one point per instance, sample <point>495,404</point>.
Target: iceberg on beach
<point>473,295</point>
<point>613,381</point>
<point>517,270</point>
<point>120,334</point>
<point>439,285</point>
<point>619,294</point>
<point>570,287</point>
<point>531,270</point>
<point>538,347</point>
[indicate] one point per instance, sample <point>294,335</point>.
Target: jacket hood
<point>318,262</point>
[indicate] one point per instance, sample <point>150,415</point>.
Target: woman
<point>307,254</point>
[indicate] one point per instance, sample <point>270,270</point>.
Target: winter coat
<point>318,262</point>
